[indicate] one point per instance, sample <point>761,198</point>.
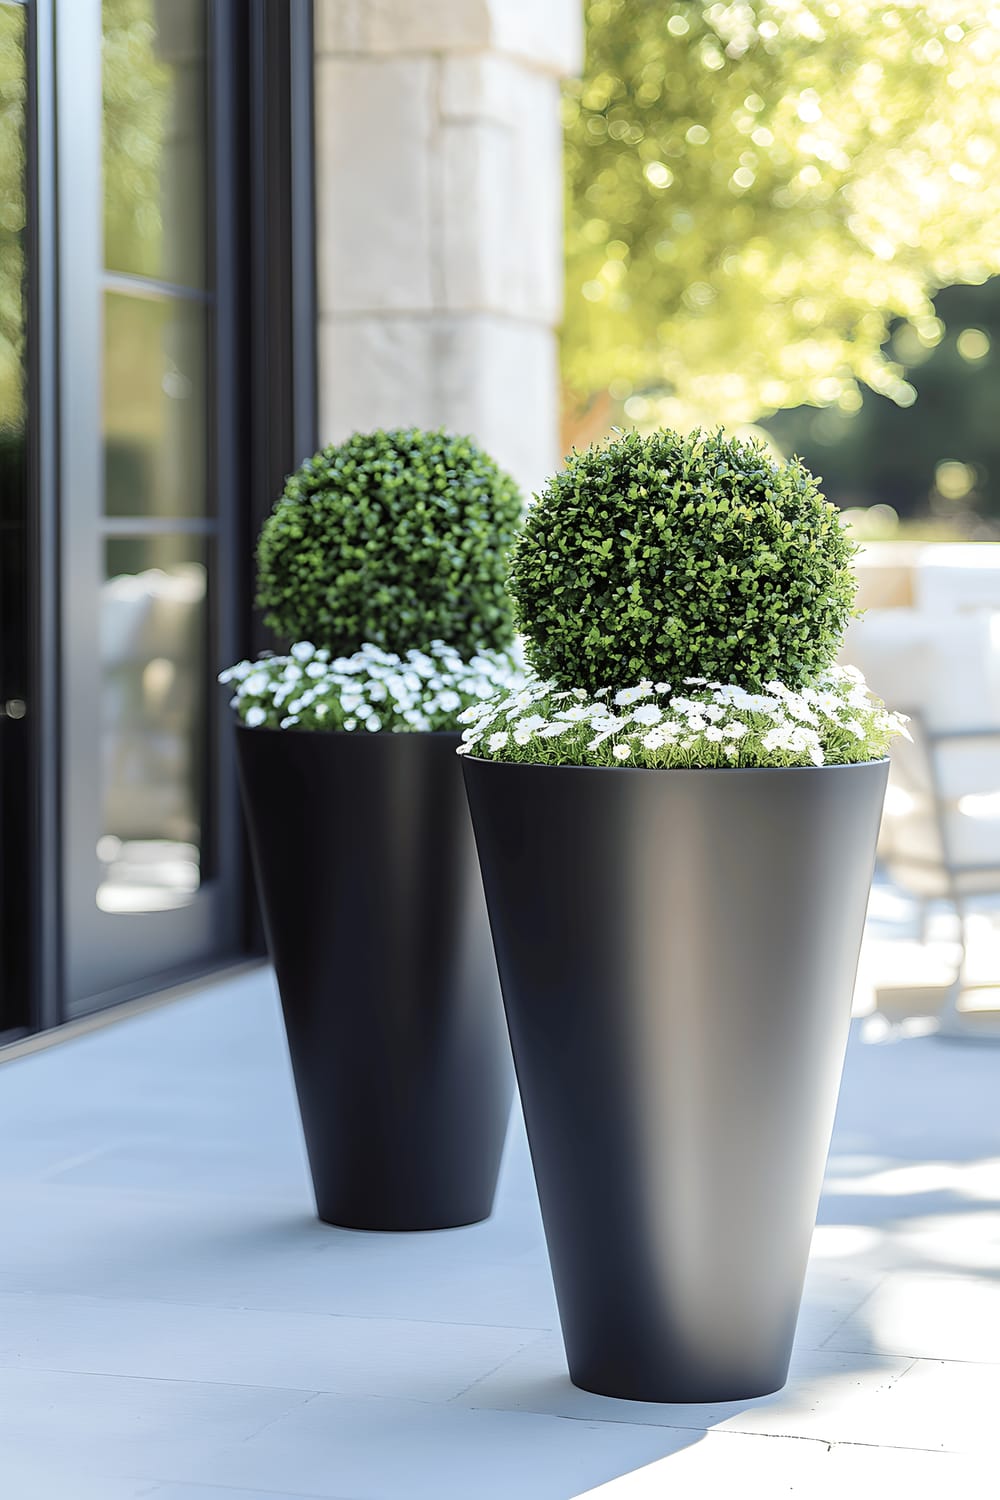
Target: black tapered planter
<point>376,924</point>
<point>677,951</point>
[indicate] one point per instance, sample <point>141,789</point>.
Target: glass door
<point>14,521</point>
<point>148,362</point>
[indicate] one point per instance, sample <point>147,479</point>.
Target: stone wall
<point>439,217</point>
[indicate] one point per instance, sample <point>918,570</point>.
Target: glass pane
<point>13,519</point>
<point>155,143</point>
<point>154,406</point>
<point>154,755</point>
<point>13,95</point>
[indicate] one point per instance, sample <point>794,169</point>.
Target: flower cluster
<point>372,690</point>
<point>693,724</point>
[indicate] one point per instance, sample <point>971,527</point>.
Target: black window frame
<point>268,403</point>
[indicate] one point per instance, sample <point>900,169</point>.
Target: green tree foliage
<point>757,190</point>
<point>669,557</point>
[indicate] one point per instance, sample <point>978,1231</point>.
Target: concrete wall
<point>439,208</point>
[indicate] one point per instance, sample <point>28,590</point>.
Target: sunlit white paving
<point>174,1322</point>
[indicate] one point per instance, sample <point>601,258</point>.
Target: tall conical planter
<point>677,951</point>
<point>376,924</point>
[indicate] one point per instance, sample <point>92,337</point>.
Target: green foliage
<point>654,726</point>
<point>668,556</point>
<point>393,538</point>
<point>756,191</point>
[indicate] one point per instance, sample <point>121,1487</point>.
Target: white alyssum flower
<point>648,714</point>
<point>374,689</point>
<point>712,724</point>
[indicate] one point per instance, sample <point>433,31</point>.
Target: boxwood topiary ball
<point>672,557</point>
<point>396,538</point>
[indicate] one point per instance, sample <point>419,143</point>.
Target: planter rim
<point>352,734</point>
<point>530,765</point>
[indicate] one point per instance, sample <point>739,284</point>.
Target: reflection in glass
<point>13,518</point>
<point>154,406</point>
<point>153,729</point>
<point>155,139</point>
<point>13,208</point>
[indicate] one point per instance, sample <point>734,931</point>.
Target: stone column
<point>439,218</point>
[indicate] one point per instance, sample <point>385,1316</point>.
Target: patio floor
<point>174,1323</point>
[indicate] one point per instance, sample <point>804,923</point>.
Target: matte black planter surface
<point>376,924</point>
<point>677,951</point>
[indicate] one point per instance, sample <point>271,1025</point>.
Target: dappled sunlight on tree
<point>756,193</point>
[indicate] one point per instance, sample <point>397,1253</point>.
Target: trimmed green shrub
<point>394,539</point>
<point>669,557</point>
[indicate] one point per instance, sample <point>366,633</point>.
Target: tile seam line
<point>284,1312</point>
<point>496,1368</point>
<point>332,1392</point>
<point>855,1311</point>
<point>229,1385</point>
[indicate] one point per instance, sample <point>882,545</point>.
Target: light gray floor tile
<point>174,1341</point>
<point>381,1450</point>
<point>928,1317</point>
<point>127,1427</point>
<point>736,1466</point>
<point>828,1396</point>
<point>158,1225</point>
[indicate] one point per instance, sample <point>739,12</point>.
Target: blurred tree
<point>939,459</point>
<point>757,191</point>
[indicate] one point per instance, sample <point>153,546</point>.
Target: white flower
<point>622,752</point>
<point>695,681</point>
<point>256,684</point>
<point>576,714</point>
<point>292,672</point>
<point>735,730</point>
<point>321,710</point>
<point>731,750</point>
<point>316,669</point>
<point>713,711</point>
<point>648,714</point>
<point>713,732</point>
<point>625,696</point>
<point>521,735</point>
<point>663,687</point>
<point>498,740</point>
<point>855,727</point>
<point>255,717</point>
<point>695,721</point>
<point>289,722</point>
<point>448,702</point>
<point>533,722</point>
<point>374,723</point>
<point>303,650</point>
<point>350,724</point>
<point>654,740</point>
<point>471,714</point>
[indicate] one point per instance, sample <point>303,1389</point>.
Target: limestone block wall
<point>439,217</point>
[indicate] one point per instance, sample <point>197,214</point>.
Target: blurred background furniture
<point>934,653</point>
